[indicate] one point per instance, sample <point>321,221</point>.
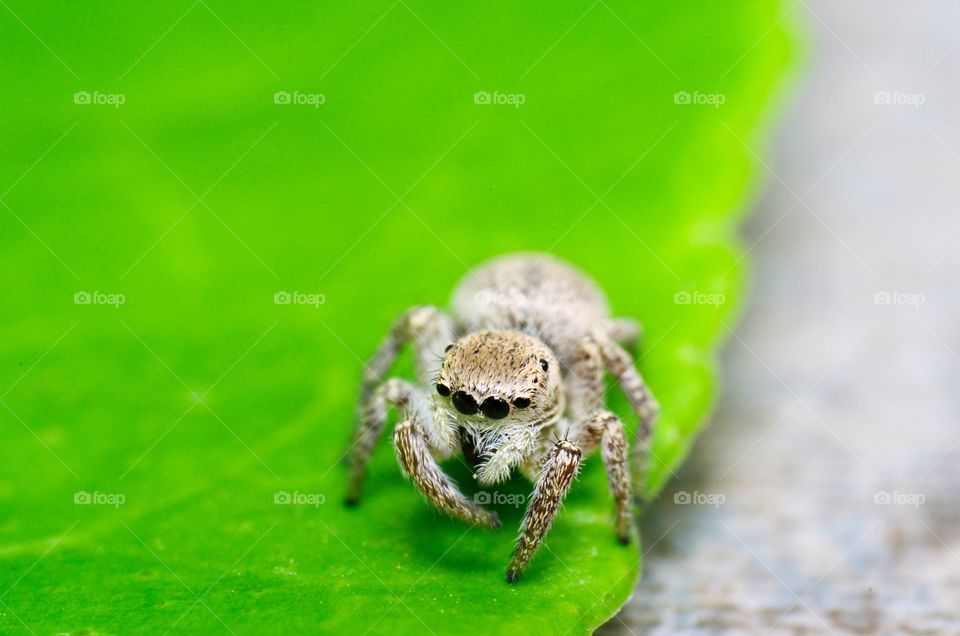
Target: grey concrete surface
<point>825,496</point>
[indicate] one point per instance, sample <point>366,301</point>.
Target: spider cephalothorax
<point>522,386</point>
<point>504,375</point>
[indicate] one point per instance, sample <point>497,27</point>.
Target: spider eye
<point>448,348</point>
<point>443,390</point>
<point>495,408</point>
<point>464,403</point>
<point>544,365</point>
<point>521,402</point>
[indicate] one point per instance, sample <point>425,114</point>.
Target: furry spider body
<point>517,374</point>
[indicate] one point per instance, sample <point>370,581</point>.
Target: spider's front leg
<point>430,331</point>
<point>433,483</point>
<point>414,438</point>
<point>559,468</point>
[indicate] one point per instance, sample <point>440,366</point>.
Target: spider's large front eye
<point>464,403</point>
<point>443,390</point>
<point>495,408</point>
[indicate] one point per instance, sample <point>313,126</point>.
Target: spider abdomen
<point>535,294</point>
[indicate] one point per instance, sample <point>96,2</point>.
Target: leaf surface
<point>181,399</point>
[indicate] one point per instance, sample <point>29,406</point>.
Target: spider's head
<point>501,376</point>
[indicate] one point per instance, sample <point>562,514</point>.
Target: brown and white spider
<point>517,377</point>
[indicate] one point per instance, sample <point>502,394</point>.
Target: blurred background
<point>829,475</point>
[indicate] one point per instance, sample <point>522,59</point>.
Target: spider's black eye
<point>521,402</point>
<point>544,365</point>
<point>464,403</point>
<point>495,408</point>
<point>443,390</point>
<point>449,347</point>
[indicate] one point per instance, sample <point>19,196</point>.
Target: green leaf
<point>181,399</point>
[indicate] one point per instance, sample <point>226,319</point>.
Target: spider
<point>515,379</point>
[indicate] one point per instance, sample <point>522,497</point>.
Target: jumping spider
<point>516,377</point>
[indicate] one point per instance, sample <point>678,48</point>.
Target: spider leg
<point>627,332</point>
<point>586,389</point>
<point>431,481</point>
<point>559,468</point>
<point>415,406</point>
<point>621,366</point>
<point>430,331</point>
<point>413,440</point>
<point>596,425</point>
<point>607,429</point>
